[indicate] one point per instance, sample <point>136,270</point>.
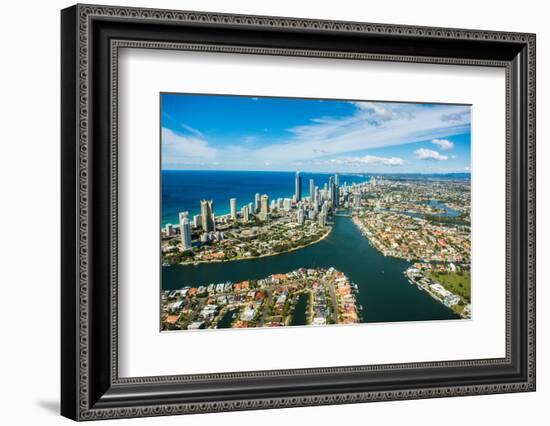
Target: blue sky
<point>216,132</point>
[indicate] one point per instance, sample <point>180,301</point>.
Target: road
<point>334,303</point>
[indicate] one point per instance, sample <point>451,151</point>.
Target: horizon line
<point>309,171</point>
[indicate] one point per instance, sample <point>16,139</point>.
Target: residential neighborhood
<point>300,297</point>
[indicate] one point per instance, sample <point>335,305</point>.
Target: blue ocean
<point>182,190</point>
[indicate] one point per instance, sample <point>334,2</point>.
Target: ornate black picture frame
<point>91,36</point>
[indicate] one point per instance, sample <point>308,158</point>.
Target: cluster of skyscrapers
<point>316,206</point>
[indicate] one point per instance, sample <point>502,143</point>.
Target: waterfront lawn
<point>458,308</point>
<point>456,282</point>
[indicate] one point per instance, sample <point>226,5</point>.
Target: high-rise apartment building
<point>298,186</point>
<point>233,208</point>
<point>207,215</point>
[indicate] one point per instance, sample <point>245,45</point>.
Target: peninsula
<point>260,228</point>
<point>313,296</point>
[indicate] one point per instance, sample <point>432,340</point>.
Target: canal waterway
<point>384,292</point>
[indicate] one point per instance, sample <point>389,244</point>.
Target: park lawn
<point>457,283</point>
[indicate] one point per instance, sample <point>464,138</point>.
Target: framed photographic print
<point>264,212</point>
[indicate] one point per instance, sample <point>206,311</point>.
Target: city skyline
<point>261,206</point>
<point>214,132</point>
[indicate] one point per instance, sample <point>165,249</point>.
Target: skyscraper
<point>207,215</point>
<point>298,186</point>
<point>322,219</point>
<point>324,208</point>
<point>311,189</point>
<point>185,227</point>
<point>300,217</point>
<point>264,207</point>
<point>233,208</point>
<point>334,191</point>
<point>316,197</point>
<point>331,189</point>
<point>169,230</point>
<point>183,215</point>
<point>287,204</point>
<point>244,212</point>
<point>256,203</point>
<point>264,204</point>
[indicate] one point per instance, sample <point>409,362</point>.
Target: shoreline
<point>357,223</point>
<point>436,297</point>
<point>252,257</point>
<point>410,261</point>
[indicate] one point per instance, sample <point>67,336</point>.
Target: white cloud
<point>192,130</point>
<point>443,144</point>
<point>250,139</point>
<point>179,149</point>
<point>372,125</point>
<point>428,154</point>
<point>377,111</point>
<point>185,126</point>
<point>455,116</point>
<point>368,160</point>
<point>368,125</point>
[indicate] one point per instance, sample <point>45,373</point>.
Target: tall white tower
<point>185,227</point>
<point>233,208</point>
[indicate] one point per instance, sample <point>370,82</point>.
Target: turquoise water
<point>182,190</point>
